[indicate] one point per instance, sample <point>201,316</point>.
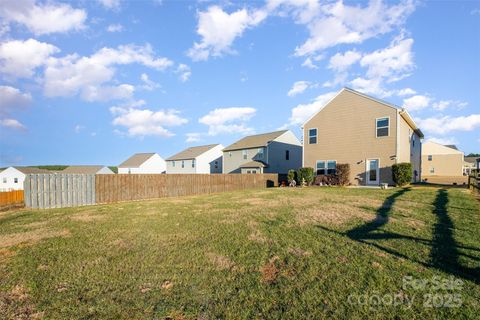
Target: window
<point>183,163</point>
<point>382,127</point>
<point>260,153</point>
<point>413,142</point>
<point>5,180</point>
<point>230,154</point>
<point>173,163</point>
<point>312,136</point>
<point>249,171</point>
<point>254,171</point>
<point>15,180</point>
<point>216,164</point>
<point>245,154</point>
<point>331,167</point>
<point>432,170</point>
<point>429,157</point>
<point>320,167</point>
<point>287,154</point>
<point>193,163</point>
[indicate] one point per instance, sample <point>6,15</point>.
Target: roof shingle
<point>255,141</point>
<point>191,153</point>
<point>136,160</point>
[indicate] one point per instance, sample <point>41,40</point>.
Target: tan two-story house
<point>367,133</point>
<point>273,152</point>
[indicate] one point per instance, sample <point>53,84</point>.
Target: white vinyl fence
<point>59,190</point>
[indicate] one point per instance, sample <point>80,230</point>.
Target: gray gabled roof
<point>192,152</point>
<point>451,146</point>
<point>82,169</point>
<point>30,170</point>
<point>136,160</point>
<point>255,141</point>
<point>254,164</point>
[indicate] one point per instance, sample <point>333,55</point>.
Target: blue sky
<point>91,82</point>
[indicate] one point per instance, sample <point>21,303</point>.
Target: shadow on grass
<point>444,249</point>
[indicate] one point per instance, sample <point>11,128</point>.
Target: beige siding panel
<point>346,133</point>
<point>444,165</point>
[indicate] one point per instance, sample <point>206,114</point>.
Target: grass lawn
<point>268,254</point>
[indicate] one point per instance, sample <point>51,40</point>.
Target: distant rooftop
<point>136,160</point>
<point>255,141</point>
<point>192,152</point>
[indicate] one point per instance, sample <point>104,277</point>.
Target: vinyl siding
<point>346,132</point>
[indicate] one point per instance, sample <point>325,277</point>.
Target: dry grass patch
<point>87,216</point>
<point>219,261</point>
<point>330,213</point>
<point>8,240</point>
<point>16,304</point>
<point>299,252</point>
<point>256,235</point>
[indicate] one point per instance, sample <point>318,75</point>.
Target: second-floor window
<point>245,154</point>
<point>183,164</point>
<point>15,180</point>
<point>193,163</point>
<point>287,154</point>
<point>429,157</point>
<point>260,153</point>
<point>382,127</point>
<point>312,136</point>
<point>216,164</point>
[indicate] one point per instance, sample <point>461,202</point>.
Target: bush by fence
<point>402,173</point>
<point>305,173</point>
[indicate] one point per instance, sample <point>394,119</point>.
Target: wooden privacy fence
<point>125,187</point>
<point>59,190</point>
<point>11,198</point>
<point>474,184</point>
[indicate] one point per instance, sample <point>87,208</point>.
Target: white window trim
<point>308,135</point>
<point>377,181</point>
<point>377,127</point>
<point>326,165</point>
<point>261,152</point>
<point>245,154</point>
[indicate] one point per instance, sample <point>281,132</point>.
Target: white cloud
<point>391,63</point>
<point>12,99</point>
<point>219,30</point>
<point>73,74</point>
<point>446,124</point>
<point>298,87</point>
<point>19,59</point>
<point>148,84</point>
<point>43,18</point>
<point>115,28</point>
<point>405,92</point>
<point>370,86</point>
<point>444,104</point>
<point>415,103</point>
<point>302,112</point>
<point>444,140</point>
<point>228,120</point>
<point>12,124</point>
<point>335,23</point>
<point>145,122</point>
<point>184,72</point>
<point>341,62</point>
<point>110,4</point>
<point>78,128</point>
<point>193,137</point>
<point>106,93</point>
<point>310,61</point>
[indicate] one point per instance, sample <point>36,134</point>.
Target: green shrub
<point>402,173</point>
<point>305,173</point>
<point>343,174</point>
<point>292,175</point>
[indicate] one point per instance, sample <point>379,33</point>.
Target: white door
<point>373,171</point>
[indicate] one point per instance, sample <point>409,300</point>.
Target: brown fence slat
<point>126,187</point>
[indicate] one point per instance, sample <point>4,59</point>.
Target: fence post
<point>27,192</point>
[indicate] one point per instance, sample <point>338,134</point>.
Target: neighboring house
<point>469,164</point>
<point>12,177</point>
<point>274,152</point>
<point>369,134</point>
<point>143,163</point>
<point>441,160</point>
<point>87,170</point>
<point>201,159</point>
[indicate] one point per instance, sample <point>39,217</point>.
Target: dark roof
<point>31,170</point>
<point>258,140</point>
<point>451,146</point>
<point>254,164</point>
<point>471,159</point>
<point>192,152</point>
<point>136,160</point>
<point>82,169</point>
